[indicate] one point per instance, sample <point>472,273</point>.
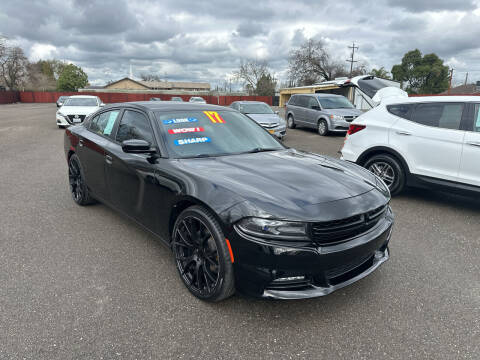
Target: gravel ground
<point>85,283</point>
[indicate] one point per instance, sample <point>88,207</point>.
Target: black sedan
<point>239,210</point>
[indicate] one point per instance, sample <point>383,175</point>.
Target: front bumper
<point>338,125</point>
<point>283,271</point>
<point>279,131</point>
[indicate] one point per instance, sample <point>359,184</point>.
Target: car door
<point>300,106</point>
<point>432,140</point>
<point>91,151</point>
<point>470,163</point>
<point>312,111</point>
<point>131,177</point>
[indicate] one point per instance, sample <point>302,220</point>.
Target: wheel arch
<point>377,150</point>
<point>188,201</point>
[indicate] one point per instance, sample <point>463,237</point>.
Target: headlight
<point>336,117</point>
<point>382,186</point>
<point>59,113</point>
<point>274,229</point>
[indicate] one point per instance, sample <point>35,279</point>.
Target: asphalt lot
<point>85,283</point>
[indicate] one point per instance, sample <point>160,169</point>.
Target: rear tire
<point>322,128</point>
<point>390,170</point>
<point>291,122</point>
<point>202,255</point>
<point>78,187</point>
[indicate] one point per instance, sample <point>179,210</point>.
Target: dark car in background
<point>263,115</point>
<point>155,99</point>
<point>323,112</point>
<point>239,210</point>
<point>176,98</point>
<point>61,100</point>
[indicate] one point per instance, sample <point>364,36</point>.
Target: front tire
<point>389,169</point>
<point>76,178</point>
<point>202,256</point>
<point>291,122</point>
<point>322,128</point>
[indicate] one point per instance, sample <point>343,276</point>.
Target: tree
<point>72,78</point>
<point>250,72</point>
<point>13,65</point>
<point>266,85</point>
<point>422,75</point>
<point>380,73</point>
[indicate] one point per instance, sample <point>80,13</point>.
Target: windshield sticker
<point>179,121</point>
<point>185,130</point>
<point>214,117</point>
<point>199,140</point>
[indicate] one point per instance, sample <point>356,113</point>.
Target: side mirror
<point>102,104</point>
<point>315,107</point>
<point>136,146</point>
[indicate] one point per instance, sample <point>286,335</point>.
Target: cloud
<point>206,40</point>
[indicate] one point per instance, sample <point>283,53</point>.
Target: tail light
<point>354,128</point>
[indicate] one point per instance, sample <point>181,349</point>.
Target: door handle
<point>80,142</point>
<point>108,159</point>
<point>473,143</point>
<point>406,133</point>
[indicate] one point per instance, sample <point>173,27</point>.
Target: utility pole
<point>466,78</point>
<point>351,61</point>
<point>450,81</point>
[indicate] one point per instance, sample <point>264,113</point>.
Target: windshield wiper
<point>197,156</point>
<point>257,150</point>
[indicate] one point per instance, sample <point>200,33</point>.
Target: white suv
<point>419,141</point>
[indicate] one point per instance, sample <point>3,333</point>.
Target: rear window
<point>401,110</point>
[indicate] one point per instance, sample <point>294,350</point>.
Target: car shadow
<point>443,198</point>
<point>313,131</point>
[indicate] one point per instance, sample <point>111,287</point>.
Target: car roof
<point>168,106</point>
<point>250,102</point>
<point>421,99</point>
<point>319,95</point>
<point>84,96</point>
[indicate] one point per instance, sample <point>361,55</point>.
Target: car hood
<point>344,112</point>
<point>265,118</point>
<point>283,182</point>
<point>78,110</point>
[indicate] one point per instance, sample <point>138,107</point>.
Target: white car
<point>419,141</point>
<point>197,99</point>
<point>76,108</point>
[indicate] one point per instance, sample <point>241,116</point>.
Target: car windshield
<point>196,99</point>
<point>255,109</point>
<point>81,102</point>
<point>190,134</point>
<point>335,102</point>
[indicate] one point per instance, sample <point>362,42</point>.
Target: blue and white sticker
<point>180,121</point>
<point>197,140</point>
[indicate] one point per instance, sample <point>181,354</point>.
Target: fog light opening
<point>290,278</point>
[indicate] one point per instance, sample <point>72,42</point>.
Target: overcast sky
<point>205,40</point>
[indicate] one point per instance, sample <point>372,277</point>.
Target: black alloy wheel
<point>291,122</point>
<point>78,187</point>
<point>202,256</point>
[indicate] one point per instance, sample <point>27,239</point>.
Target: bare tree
<point>311,63</point>
<point>13,66</point>
<point>250,72</point>
<point>150,77</point>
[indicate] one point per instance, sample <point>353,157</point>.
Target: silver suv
<point>324,112</point>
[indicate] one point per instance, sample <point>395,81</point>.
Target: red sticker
<point>185,130</point>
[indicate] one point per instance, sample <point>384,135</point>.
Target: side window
<point>447,116</point>
<point>103,124</point>
<point>312,102</point>
<point>476,118</point>
<point>302,101</point>
<point>401,110</point>
<point>292,100</point>
<point>235,106</point>
<point>134,125</point>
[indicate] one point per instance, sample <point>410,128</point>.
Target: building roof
<point>463,89</point>
<point>166,85</point>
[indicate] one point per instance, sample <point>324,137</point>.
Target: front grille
<point>295,285</point>
<point>350,118</point>
<point>72,117</point>
<point>329,232</point>
<point>269,125</point>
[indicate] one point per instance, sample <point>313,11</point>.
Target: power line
<point>351,61</point>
